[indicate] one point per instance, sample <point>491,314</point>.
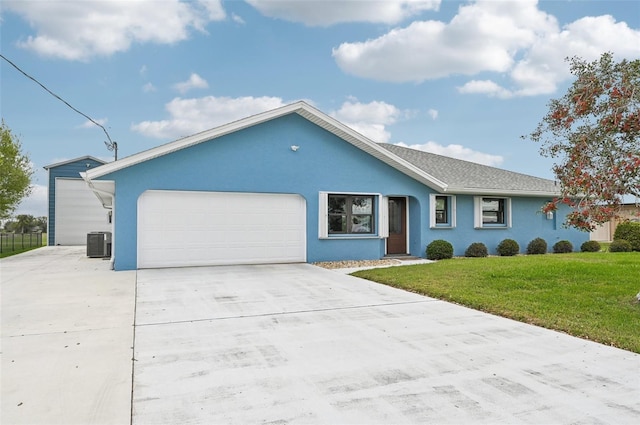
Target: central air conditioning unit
<point>99,244</point>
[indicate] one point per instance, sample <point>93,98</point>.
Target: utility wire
<point>111,145</point>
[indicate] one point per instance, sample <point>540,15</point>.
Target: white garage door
<point>78,212</point>
<point>177,228</point>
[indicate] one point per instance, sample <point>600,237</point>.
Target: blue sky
<point>463,79</point>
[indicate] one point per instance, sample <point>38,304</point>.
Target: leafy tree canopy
<point>15,172</point>
<point>24,223</point>
<point>594,132</point>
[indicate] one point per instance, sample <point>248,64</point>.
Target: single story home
<point>73,211</point>
<point>296,185</point>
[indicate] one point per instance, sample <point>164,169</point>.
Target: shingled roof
<point>469,177</point>
<point>441,173</point>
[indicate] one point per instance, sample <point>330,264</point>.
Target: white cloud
<point>89,124</point>
<point>319,13</point>
<point>189,116</point>
<point>237,19</point>
<point>369,119</point>
<point>80,30</point>
<point>148,88</point>
<point>194,82</point>
<point>35,204</point>
<point>433,113</point>
<point>459,152</point>
<point>485,87</point>
<point>143,70</point>
<point>514,38</point>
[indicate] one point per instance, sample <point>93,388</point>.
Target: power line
<point>111,145</point>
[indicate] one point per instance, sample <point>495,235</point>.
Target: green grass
<point>19,245</point>
<point>588,295</point>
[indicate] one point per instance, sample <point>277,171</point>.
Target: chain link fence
<point>10,242</point>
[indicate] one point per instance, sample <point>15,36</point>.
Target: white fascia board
<point>303,109</point>
<point>69,161</point>
<point>500,192</point>
<point>364,143</point>
<point>191,140</point>
<point>103,189</point>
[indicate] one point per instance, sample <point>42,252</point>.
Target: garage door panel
<point>177,228</point>
<point>77,212</point>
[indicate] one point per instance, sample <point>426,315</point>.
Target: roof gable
<point>440,173</point>
<point>71,161</point>
<point>301,108</point>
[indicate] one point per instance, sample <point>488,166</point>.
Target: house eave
<point>502,192</point>
<point>70,161</point>
<point>301,108</point>
<point>103,189</point>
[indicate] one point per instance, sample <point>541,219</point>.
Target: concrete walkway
<point>281,344</point>
<point>67,337</point>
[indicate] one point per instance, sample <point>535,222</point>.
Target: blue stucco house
<point>295,185</point>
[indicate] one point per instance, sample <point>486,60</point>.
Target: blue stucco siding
<point>260,159</point>
<point>66,170</point>
<point>528,223</point>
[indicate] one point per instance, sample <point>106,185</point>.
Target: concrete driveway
<point>281,344</point>
<point>67,337</point>
<point>300,344</point>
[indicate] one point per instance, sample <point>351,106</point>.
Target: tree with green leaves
<point>25,223</point>
<point>15,172</point>
<point>594,132</point>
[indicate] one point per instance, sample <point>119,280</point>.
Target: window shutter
<point>477,212</point>
<point>383,222</point>
<point>432,210</point>
<point>323,215</point>
<point>452,203</point>
<point>508,207</point>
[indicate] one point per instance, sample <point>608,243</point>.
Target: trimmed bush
<point>476,249</point>
<point>439,250</point>
<point>562,247</point>
<point>537,246</point>
<point>508,248</point>
<point>620,245</point>
<point>630,232</point>
<point>590,246</point>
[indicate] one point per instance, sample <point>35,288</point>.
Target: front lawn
<point>588,295</point>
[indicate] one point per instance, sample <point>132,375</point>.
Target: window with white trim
<point>492,212</point>
<point>442,211</point>
<point>350,214</point>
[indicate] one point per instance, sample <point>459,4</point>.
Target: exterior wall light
<point>550,215</point>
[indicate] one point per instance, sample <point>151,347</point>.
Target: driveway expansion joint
<point>284,313</point>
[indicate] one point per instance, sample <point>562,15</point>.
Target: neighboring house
<point>605,232</point>
<point>294,185</point>
<point>73,208</point>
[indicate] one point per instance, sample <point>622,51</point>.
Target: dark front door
<point>397,241</point>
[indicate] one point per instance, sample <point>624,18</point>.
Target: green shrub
<point>508,248</point>
<point>590,246</point>
<point>537,246</point>
<point>562,247</point>
<point>476,249</point>
<point>630,232</point>
<point>439,250</point>
<point>620,245</point>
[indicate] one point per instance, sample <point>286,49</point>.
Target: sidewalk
<point>67,323</point>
